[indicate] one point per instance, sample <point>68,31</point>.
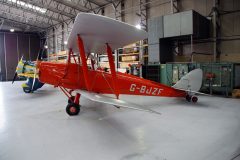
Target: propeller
<point>15,75</point>
<point>35,70</point>
<point>34,77</point>
<point>39,58</point>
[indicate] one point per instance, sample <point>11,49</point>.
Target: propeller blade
<point>34,78</point>
<point>14,77</point>
<point>39,58</point>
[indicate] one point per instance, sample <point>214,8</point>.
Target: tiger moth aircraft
<point>98,34</point>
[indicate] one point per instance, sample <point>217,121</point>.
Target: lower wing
<point>115,102</point>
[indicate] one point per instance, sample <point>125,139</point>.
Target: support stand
<point>113,71</point>
<point>84,62</point>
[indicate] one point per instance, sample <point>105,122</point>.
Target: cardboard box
<point>236,93</point>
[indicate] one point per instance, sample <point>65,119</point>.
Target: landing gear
<point>73,109</point>
<point>194,99</point>
<point>71,99</point>
<point>27,89</point>
<point>190,98</point>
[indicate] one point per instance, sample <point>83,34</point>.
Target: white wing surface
<point>112,101</point>
<point>191,81</point>
<point>96,31</point>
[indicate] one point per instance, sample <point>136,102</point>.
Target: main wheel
<point>194,99</point>
<point>71,99</point>
<point>27,90</point>
<point>188,98</point>
<point>72,109</point>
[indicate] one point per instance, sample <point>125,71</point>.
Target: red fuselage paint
<point>70,76</point>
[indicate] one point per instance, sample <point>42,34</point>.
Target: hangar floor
<point>35,126</point>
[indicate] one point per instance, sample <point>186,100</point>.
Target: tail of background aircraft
<point>191,82</point>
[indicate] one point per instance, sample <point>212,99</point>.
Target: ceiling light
<point>46,47</point>
<point>138,26</point>
<point>28,5</point>
<point>11,30</point>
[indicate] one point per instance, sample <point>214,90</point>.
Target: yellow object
<point>24,85</point>
<point>26,69</point>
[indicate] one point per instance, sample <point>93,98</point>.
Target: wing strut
<point>113,71</point>
<point>84,62</point>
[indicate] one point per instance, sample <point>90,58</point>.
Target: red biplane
<point>98,34</point>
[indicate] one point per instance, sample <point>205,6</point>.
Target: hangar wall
<point>12,47</point>
<point>229,29</point>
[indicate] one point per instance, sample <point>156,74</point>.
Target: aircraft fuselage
<point>70,76</point>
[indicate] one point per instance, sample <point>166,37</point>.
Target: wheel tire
<point>27,90</point>
<point>71,99</point>
<point>73,109</point>
<point>194,99</point>
<point>188,98</point>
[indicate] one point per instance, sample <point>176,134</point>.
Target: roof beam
<point>113,2</point>
<point>19,22</point>
<point>95,10</point>
<point>72,5</point>
<point>97,4</point>
<point>7,12</point>
<point>53,6</point>
<point>14,5</point>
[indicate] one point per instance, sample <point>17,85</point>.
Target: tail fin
<point>191,81</point>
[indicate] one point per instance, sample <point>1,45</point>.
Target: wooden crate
<point>104,64</point>
<point>129,58</point>
<point>236,93</point>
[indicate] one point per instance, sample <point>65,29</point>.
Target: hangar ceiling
<point>39,15</point>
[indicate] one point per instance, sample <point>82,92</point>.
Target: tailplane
<point>191,82</point>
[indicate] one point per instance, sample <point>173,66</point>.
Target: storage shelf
<point>129,62</point>
<point>124,62</point>
<point>128,54</point>
<point>104,55</point>
<point>145,45</point>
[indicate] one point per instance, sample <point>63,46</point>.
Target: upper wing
<point>96,31</point>
<point>115,102</point>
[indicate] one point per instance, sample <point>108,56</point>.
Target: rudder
<point>191,81</point>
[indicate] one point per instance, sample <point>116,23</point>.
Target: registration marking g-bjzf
<point>145,90</point>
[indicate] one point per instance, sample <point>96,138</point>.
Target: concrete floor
<point>35,126</point>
